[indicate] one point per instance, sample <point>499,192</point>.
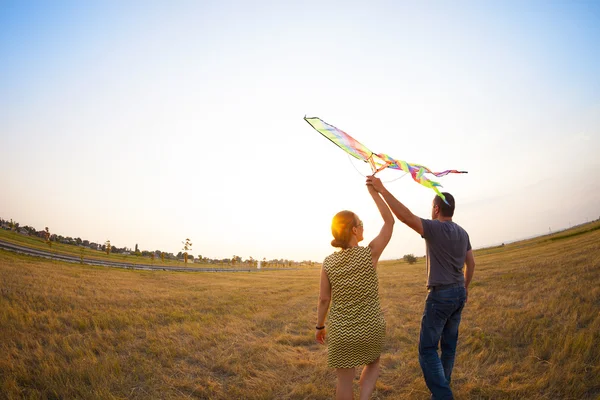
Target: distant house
<point>23,231</point>
<point>94,246</point>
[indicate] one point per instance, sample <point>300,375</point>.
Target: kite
<point>378,162</point>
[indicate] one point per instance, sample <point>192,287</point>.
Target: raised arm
<point>378,244</point>
<point>469,269</point>
<point>399,209</point>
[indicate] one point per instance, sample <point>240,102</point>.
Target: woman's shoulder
<point>360,252</point>
<point>347,252</point>
<point>331,258</point>
<point>364,249</point>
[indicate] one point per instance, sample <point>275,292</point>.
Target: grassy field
<point>531,329</point>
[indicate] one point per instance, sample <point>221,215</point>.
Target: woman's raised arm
<point>378,244</point>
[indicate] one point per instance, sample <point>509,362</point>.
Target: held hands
<point>374,183</point>
<point>320,336</point>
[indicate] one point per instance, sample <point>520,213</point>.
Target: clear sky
<point>148,122</point>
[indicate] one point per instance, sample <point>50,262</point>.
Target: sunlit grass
<point>531,329</point>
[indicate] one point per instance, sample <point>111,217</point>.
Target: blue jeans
<point>440,322</point>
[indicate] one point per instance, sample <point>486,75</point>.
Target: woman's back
<point>356,323</point>
<point>354,284</point>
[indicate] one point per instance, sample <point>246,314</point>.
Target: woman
<point>349,282</point>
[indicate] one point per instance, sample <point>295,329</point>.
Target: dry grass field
<point>531,329</point>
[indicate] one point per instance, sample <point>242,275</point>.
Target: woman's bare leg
<point>345,378</point>
<point>368,378</point>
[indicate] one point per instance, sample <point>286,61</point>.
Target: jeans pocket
<point>440,312</point>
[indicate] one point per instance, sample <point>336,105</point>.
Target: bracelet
<point>319,327</point>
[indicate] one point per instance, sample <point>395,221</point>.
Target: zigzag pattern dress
<point>356,328</point>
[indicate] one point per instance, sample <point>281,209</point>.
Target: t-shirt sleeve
<point>427,228</point>
<point>468,243</point>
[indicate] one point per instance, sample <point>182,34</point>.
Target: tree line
<point>184,255</point>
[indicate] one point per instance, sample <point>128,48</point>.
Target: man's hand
<point>375,183</point>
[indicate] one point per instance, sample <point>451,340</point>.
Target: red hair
<point>341,228</point>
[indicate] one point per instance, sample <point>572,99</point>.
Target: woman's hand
<point>375,183</point>
<point>372,189</point>
<point>320,335</point>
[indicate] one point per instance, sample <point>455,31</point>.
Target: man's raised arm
<point>399,209</point>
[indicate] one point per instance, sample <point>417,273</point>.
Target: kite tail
<point>435,189</point>
<point>423,180</point>
<point>446,172</point>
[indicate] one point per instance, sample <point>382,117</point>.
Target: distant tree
<point>78,241</point>
<point>187,246</point>
<point>162,256</point>
<point>152,256</point>
<point>107,247</point>
<point>81,255</point>
<point>410,258</point>
<point>47,237</point>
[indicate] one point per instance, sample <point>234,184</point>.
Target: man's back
<point>447,246</point>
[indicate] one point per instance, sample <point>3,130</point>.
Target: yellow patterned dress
<point>356,327</point>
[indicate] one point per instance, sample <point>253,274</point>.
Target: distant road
<point>74,259</point>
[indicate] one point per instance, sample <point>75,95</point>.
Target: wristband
<point>319,327</point>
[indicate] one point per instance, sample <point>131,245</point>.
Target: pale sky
<point>148,122</point>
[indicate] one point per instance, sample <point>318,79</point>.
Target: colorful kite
<point>378,162</point>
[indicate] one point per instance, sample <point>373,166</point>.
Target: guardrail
<point>73,259</point>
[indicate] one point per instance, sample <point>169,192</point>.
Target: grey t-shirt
<point>447,246</point>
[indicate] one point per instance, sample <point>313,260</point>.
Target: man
<point>448,250</point>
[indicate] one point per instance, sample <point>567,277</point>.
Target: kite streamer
<point>378,162</point>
